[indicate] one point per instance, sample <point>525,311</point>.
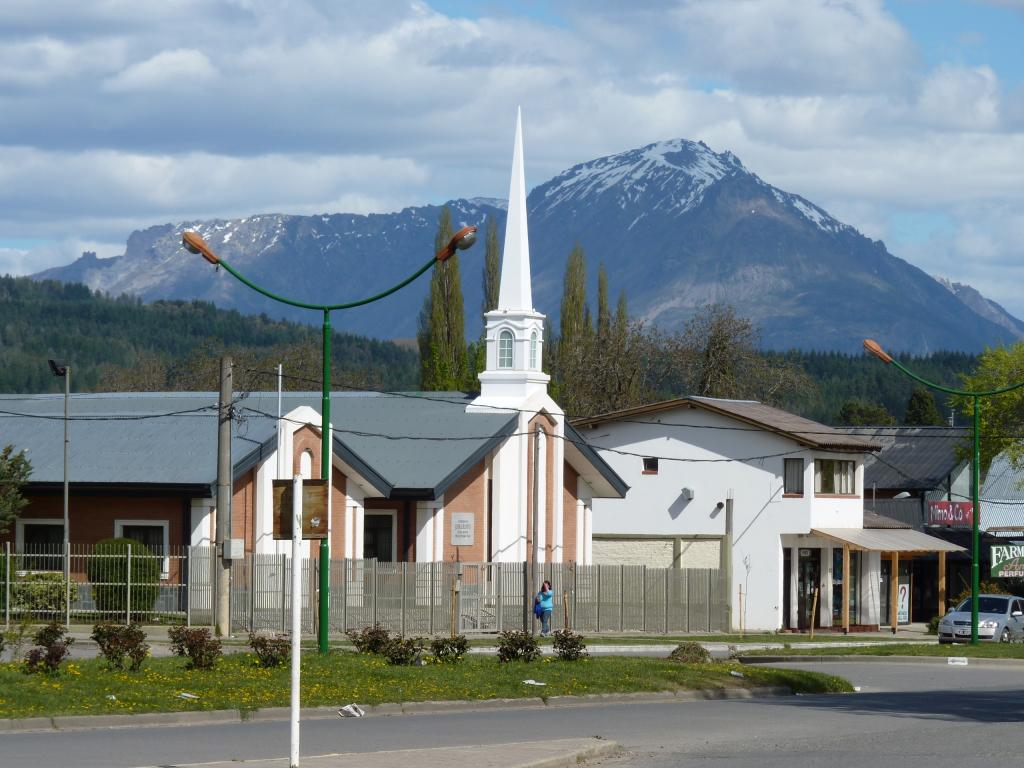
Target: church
<point>498,476</point>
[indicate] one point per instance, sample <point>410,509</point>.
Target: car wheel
<point>945,642</point>
<point>1005,637</point>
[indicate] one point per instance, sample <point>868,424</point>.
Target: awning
<point>887,540</point>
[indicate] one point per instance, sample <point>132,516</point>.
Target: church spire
<point>514,329</point>
<point>514,293</point>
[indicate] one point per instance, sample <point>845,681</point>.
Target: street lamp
<point>193,242</point>
<point>64,371</point>
<point>875,349</point>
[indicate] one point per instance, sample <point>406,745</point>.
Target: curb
<point>833,658</point>
<point>221,716</point>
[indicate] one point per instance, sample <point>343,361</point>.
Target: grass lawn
<point>982,651</point>
<point>87,687</point>
<point>766,637</point>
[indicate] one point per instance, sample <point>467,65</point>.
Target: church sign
<point>957,514</point>
<point>462,529</point>
<point>1007,561</point>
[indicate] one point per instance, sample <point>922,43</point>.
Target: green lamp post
<point>193,242</point>
<point>875,349</point>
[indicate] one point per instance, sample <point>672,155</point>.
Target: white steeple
<point>514,330</point>
<point>514,292</point>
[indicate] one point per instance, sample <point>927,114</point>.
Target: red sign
<point>955,513</point>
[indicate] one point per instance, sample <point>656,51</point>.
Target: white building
<point>792,487</point>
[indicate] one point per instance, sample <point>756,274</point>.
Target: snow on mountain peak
<point>677,170</point>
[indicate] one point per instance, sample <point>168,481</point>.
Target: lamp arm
<point>950,390</point>
<point>326,307</point>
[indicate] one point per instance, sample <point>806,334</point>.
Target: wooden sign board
<point>314,509</point>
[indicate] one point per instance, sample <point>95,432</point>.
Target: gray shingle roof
<point>911,458</point>
<point>417,443</point>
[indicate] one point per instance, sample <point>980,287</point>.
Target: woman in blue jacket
<point>544,601</point>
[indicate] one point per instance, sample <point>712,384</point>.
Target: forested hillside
<point>121,343</point>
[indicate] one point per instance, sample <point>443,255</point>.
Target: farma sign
<point>1007,561</point>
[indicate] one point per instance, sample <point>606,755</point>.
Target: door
<point>808,582</point>
<point>379,536</point>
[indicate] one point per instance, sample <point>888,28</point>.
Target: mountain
<point>676,224</point>
<point>985,307</point>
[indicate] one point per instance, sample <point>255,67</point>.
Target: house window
<point>505,349</point>
<point>41,542</point>
<point>650,465</point>
<point>533,351</point>
<point>152,534</point>
<point>306,465</point>
<point>793,484</point>
<point>832,476</point>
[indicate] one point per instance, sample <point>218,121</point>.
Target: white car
<point>1000,618</point>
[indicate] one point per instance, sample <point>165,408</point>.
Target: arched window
<point>533,351</point>
<point>306,465</point>
<point>505,349</point>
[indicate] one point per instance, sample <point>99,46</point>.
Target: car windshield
<point>985,605</point>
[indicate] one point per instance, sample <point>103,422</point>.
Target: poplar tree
<point>604,313</point>
<point>575,314</point>
<point>442,336</point>
<point>921,409</point>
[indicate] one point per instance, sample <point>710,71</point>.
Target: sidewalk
<point>560,753</point>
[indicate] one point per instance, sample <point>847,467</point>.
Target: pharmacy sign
<point>1007,561</point>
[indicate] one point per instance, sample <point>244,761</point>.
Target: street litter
<point>734,673</point>
<point>351,710</point>
<point>184,695</point>
<point>957,661</point>
<point>856,689</point>
<point>111,697</point>
<point>532,682</point>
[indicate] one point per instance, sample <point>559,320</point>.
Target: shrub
<point>449,650</point>
<point>196,644</point>
<point>108,572</point>
<point>41,593</point>
<point>517,646</point>
<point>373,639</point>
<point>52,647</point>
<point>405,651</point>
<point>933,625</point>
<point>984,588</point>
<point>120,643</point>
<point>569,646</point>
<point>690,653</point>
<point>271,651</point>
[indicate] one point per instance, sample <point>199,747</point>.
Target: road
<point>910,714</point>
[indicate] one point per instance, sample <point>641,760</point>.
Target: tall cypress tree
<point>921,409</point>
<point>477,353</point>
<point>442,337</point>
<point>604,312</point>
<point>574,318</point>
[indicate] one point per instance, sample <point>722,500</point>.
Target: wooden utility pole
<point>222,566</point>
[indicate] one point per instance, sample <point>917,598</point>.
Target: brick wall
<point>467,494</point>
<point>657,553</point>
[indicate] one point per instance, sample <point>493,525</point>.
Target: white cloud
<point>179,69</point>
<point>961,97</point>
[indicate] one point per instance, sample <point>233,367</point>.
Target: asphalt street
<point>916,714</point>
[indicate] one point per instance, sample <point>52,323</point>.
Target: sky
<point>903,118</point>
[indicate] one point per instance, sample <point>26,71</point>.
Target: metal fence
<point>410,598</point>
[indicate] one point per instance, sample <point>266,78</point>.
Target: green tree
<point>575,313</point>
<point>604,313</point>
<point>491,288</point>
<point>716,355</point>
<point>15,469</point>
<point>921,409</point>
<point>1002,416</point>
<point>860,413</point>
<point>442,336</point>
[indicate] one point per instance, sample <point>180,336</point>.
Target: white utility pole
<point>296,615</point>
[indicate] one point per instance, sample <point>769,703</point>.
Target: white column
<point>424,531</point>
<point>794,580</point>
<point>827,582</point>
<point>354,499</point>
<point>439,531</point>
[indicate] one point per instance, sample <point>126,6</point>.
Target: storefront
<point>817,591</point>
